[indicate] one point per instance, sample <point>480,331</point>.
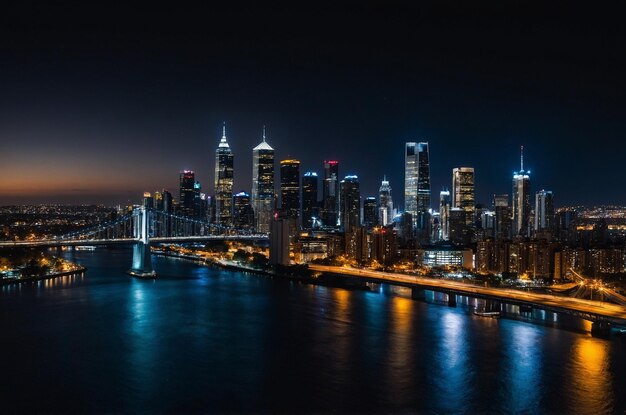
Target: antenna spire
<point>263,132</point>
<point>522,158</point>
<point>224,130</point>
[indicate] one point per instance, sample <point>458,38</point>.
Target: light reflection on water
<point>206,340</point>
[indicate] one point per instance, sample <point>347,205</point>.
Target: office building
<point>445,204</point>
<point>521,200</point>
<point>310,204</point>
<point>463,192</point>
<point>189,193</point>
<point>290,188</point>
<point>243,215</point>
<point>263,185</point>
<point>544,211</point>
<point>370,212</point>
<point>330,193</point>
<point>385,203</point>
<point>350,203</point>
<point>224,174</point>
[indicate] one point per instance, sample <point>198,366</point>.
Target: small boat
<point>483,313</point>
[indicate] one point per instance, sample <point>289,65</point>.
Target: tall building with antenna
<point>521,199</point>
<point>385,203</point>
<point>224,173</point>
<point>263,184</point>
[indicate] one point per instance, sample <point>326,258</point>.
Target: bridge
<point>601,314</point>
<point>140,228</point>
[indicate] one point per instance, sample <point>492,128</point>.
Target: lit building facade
<point>224,174</point>
<point>370,212</point>
<point>416,181</point>
<point>263,185</point>
<point>385,203</point>
<point>445,204</point>
<point>330,193</point>
<point>243,215</point>
<point>350,203</point>
<point>189,193</point>
<point>290,188</point>
<point>463,192</point>
<point>521,200</point>
<point>310,205</point>
<point>544,211</point>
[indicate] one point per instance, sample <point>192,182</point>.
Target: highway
<point>593,310</point>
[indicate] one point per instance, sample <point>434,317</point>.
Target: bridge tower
<point>142,261</point>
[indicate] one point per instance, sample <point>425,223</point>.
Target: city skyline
<point>103,109</point>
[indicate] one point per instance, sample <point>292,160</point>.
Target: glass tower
<point>309,199</point>
<point>350,203</point>
<point>385,203</point>
<point>463,192</point>
<point>290,188</point>
<point>223,182</point>
<point>417,182</point>
<point>330,193</point>
<point>263,185</point>
<point>521,200</point>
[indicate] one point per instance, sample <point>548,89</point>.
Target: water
<point>209,340</point>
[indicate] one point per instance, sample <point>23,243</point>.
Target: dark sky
<point>99,103</point>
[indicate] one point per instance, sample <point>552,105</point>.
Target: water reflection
<point>453,376</point>
<point>400,358</point>
<point>589,378</point>
<point>523,368</point>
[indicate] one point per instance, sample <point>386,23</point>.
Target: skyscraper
<point>243,216</point>
<point>502,225</point>
<point>463,192</point>
<point>544,211</point>
<point>521,199</point>
<point>290,188</point>
<point>350,203</point>
<point>385,203</point>
<point>223,182</point>
<point>310,206</point>
<point>370,212</point>
<point>417,182</point>
<point>187,181</point>
<point>444,213</point>
<point>263,184</point>
<point>330,193</point>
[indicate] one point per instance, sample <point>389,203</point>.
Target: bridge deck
<point>592,310</point>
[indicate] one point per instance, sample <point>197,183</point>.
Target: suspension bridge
<point>141,228</point>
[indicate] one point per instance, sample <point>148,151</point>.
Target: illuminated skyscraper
<point>310,206</point>
<point>370,212</point>
<point>263,185</point>
<point>223,182</point>
<point>350,203</point>
<point>521,199</point>
<point>444,213</point>
<point>243,216</point>
<point>502,225</point>
<point>330,193</point>
<point>187,200</point>
<point>417,182</point>
<point>290,188</point>
<point>544,211</point>
<point>385,203</point>
<point>463,192</point>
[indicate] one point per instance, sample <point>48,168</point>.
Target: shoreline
<point>80,270</point>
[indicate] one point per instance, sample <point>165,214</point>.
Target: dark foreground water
<point>208,340</point>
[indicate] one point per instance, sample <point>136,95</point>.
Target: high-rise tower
<point>521,199</point>
<point>224,182</point>
<point>544,211</point>
<point>290,188</point>
<point>310,205</point>
<point>385,203</point>
<point>263,184</point>
<point>444,213</point>
<point>350,201</point>
<point>330,193</point>
<point>463,192</point>
<point>187,200</point>
<point>417,182</point>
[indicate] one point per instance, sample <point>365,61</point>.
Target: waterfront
<point>214,340</point>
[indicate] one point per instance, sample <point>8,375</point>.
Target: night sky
<point>101,103</point>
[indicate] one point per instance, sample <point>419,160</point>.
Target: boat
<point>484,313</point>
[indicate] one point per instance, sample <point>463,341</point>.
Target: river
<point>202,339</point>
